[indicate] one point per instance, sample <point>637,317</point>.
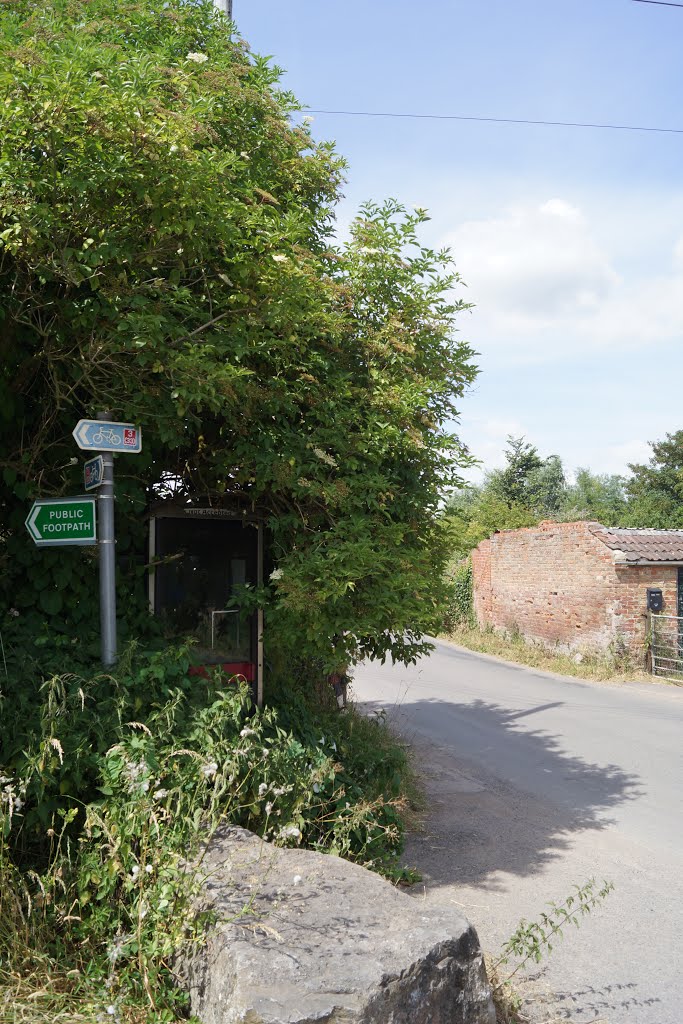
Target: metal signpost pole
<point>259,620</point>
<point>106,437</point>
<point>107,549</point>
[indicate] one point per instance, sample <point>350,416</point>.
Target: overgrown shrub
<point>167,252</point>
<point>108,784</point>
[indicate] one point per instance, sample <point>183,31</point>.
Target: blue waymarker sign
<point>93,473</point>
<point>105,436</point>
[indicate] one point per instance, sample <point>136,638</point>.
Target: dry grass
<point>506,998</point>
<point>521,1001</point>
<point>602,666</point>
<point>42,994</point>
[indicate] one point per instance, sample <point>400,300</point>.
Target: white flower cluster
<point>275,791</point>
<point>276,574</point>
<point>11,795</point>
<point>290,832</point>
<point>116,947</point>
<point>324,457</point>
<point>136,774</point>
<point>135,870</point>
<point>209,769</point>
<point>197,58</point>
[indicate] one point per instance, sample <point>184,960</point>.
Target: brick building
<point>577,585</point>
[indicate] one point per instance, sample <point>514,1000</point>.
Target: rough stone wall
<point>559,584</point>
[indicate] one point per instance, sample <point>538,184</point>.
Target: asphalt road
<point>536,783</point>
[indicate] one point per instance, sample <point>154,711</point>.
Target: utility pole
<point>225,6</point>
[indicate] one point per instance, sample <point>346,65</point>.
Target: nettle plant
<point>532,940</point>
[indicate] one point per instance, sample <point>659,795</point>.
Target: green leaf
<point>51,601</point>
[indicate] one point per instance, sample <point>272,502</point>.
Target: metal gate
<point>666,636</point>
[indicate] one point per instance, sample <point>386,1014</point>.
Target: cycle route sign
<point>105,436</point>
<point>53,521</point>
<point>93,473</point>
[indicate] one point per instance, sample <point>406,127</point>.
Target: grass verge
<point>611,665</point>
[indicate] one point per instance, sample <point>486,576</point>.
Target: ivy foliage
<point>167,253</point>
<point>461,608</point>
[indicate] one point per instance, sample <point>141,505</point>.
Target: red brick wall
<point>481,576</point>
<point>631,597</point>
<point>559,584</point>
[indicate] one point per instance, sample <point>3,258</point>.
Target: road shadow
<point>588,1004</point>
<point>478,823</point>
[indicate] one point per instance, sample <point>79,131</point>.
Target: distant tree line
<point>529,489</point>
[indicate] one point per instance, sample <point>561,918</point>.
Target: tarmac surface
<point>535,783</point>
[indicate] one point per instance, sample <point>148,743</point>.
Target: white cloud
<point>560,208</point>
<point>487,439</point>
<point>533,264</point>
<point>678,256</point>
<point>543,286</point>
<point>641,313</point>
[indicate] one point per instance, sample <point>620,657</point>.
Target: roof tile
<point>642,545</point>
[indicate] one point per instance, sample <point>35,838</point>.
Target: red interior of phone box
<point>247,669</point>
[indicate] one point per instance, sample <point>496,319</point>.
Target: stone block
<point>303,938</point>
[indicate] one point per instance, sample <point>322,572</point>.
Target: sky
<point>569,241</point>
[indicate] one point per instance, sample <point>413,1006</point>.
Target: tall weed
<point>110,783</point>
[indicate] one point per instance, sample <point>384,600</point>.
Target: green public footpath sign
<point>54,521</point>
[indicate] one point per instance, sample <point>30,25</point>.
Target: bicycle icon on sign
<point>106,434</point>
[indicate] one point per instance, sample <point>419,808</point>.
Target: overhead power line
<point>660,3</point>
<point>496,120</point>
